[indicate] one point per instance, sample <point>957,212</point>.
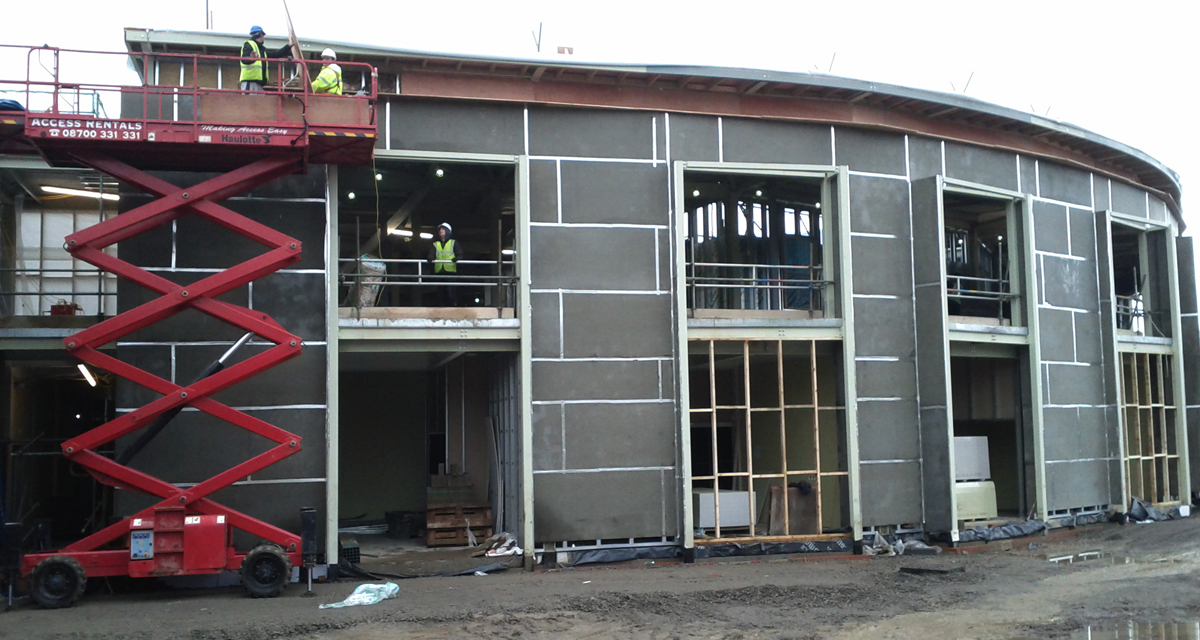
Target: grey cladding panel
<point>870,151</point>
<point>1089,345</point>
<point>891,493</point>
<point>1028,175</point>
<point>1128,200</point>
<point>883,327</point>
<point>1083,233</point>
<point>591,258</point>
<point>1100,193</point>
<point>617,326</point>
<point>1191,354</point>
<point>154,359</point>
<point>1158,210</point>
<point>1193,432</point>
<point>924,157</point>
<point>1050,227</point>
<point>1070,283</point>
<point>624,435</point>
<point>981,165</point>
<point>888,430</point>
<point>886,379</point>
<point>200,243</point>
<point>294,300</point>
<point>931,347</point>
<point>300,380</point>
<point>879,265</point>
<point>614,193</point>
<point>616,504</point>
<point>543,191</point>
<point>196,446</point>
<point>1074,384</point>
<point>188,324</point>
<point>879,205</point>
<point>1071,485</point>
<point>590,133</point>
<point>547,437</point>
<point>1075,433</point>
<point>545,326</point>
<point>751,140</point>
<point>151,248</point>
<point>1063,183</point>
<point>428,125</point>
<point>694,138</point>
<point>606,380</point>
<point>1057,335</point>
<point>1186,255</point>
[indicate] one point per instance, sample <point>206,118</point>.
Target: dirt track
<point>1002,594</point>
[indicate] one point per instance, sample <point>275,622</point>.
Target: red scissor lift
<point>253,138</point>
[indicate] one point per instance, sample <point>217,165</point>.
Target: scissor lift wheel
<point>266,571</point>
<point>57,582</point>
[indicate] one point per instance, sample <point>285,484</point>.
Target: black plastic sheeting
<point>769,548</point>
<point>625,554</point>
<point>1005,531</point>
<point>350,569</point>
<point>1142,511</point>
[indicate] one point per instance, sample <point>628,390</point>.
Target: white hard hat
<point>328,53</point>
<point>449,229</point>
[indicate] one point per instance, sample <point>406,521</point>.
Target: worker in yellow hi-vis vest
<point>445,254</point>
<point>254,72</point>
<point>330,78</point>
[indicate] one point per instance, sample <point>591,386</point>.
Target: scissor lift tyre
<point>266,570</point>
<point>57,582</point>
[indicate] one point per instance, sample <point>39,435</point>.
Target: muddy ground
<point>1005,593</point>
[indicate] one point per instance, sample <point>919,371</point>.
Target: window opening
<point>1151,447</point>
<point>1138,267</point>
<point>750,243</point>
<point>389,219</point>
<point>768,432</point>
<point>978,235</point>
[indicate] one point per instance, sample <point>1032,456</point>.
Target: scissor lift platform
<point>250,138</point>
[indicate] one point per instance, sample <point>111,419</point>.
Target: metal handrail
<point>59,88</point>
<point>761,286</point>
<point>995,289</point>
<point>1133,316</point>
<point>20,272</point>
<point>504,284</point>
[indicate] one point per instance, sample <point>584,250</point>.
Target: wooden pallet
<point>446,524</point>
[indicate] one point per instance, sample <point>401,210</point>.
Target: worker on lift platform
<point>330,78</point>
<point>254,72</point>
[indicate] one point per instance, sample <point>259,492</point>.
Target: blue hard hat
<point>256,30</point>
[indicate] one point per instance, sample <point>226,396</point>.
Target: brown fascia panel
<point>627,96</point>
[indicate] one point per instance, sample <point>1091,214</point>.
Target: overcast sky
<point>1125,70</point>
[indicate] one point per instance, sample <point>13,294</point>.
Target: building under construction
<point>695,308</point>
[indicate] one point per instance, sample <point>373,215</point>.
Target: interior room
<point>388,221</point>
<point>989,438</point>
<point>755,243</point>
<point>978,235</point>
<point>427,453</point>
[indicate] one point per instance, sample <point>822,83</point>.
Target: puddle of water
<point>1143,631</point>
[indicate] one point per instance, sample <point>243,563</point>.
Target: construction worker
<point>330,78</point>
<point>254,72</point>
<point>444,254</point>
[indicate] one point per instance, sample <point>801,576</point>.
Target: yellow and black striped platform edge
<point>336,134</point>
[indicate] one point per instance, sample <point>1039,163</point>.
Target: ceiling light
<point>426,236</point>
<point>350,195</point>
<point>817,205</point>
<point>80,192</point>
<point>439,173</point>
<point>87,374</point>
<point>758,193</point>
<point>507,252</point>
<point>696,193</point>
<point>379,176</point>
<point>400,232</point>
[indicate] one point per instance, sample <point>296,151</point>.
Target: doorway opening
<point>991,444</point>
<point>429,447</point>
<point>56,501</point>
